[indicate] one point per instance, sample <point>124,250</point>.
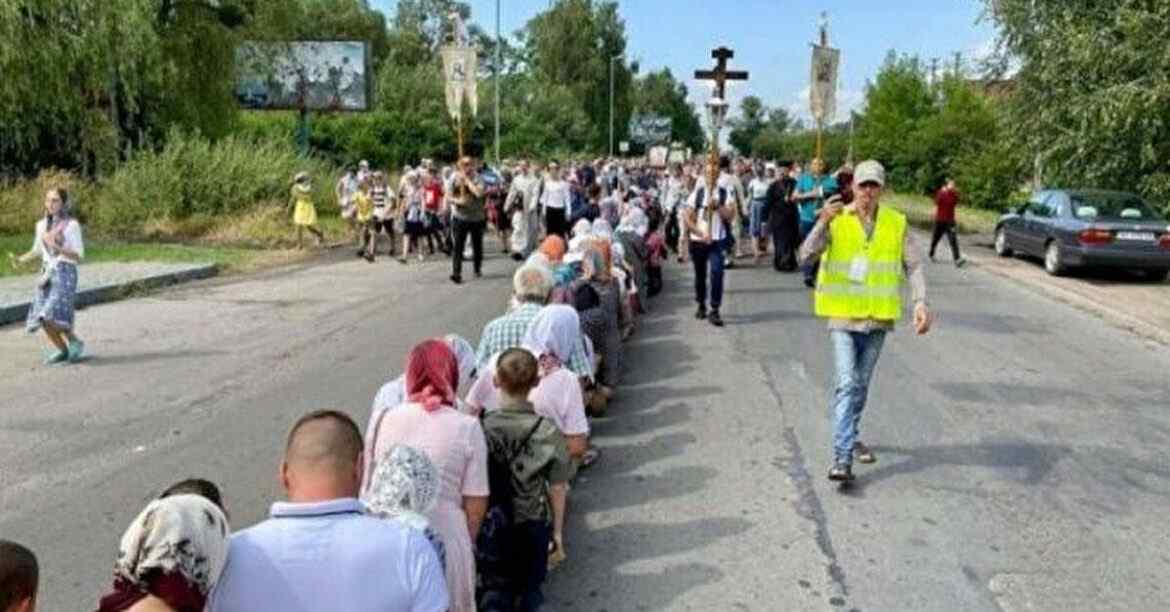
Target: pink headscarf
<point>432,375</point>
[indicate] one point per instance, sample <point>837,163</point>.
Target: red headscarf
<point>432,375</point>
<point>554,248</point>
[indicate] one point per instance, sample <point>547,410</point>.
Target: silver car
<point>1088,228</point>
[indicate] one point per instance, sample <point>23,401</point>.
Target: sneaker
<point>841,472</point>
<point>810,283</point>
<point>715,319</point>
<point>701,313</point>
<point>455,279</point>
<point>57,357</point>
<point>862,453</point>
<point>76,351</point>
<point>960,262</point>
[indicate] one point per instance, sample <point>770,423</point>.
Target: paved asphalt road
<point>1023,460</point>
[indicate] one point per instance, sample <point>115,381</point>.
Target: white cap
<point>870,171</point>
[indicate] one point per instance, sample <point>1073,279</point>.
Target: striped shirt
<point>508,331</point>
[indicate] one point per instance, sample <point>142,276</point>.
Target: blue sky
<point>771,38</point>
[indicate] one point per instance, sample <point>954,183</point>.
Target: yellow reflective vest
<point>861,278</point>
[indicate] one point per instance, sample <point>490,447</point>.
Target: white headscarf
<point>602,229</point>
<point>464,354</point>
<point>555,331</point>
<point>405,488</point>
<point>404,482</point>
<point>184,534</point>
<point>581,228</point>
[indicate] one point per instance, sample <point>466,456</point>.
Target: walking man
<point>865,252</point>
<point>468,219</point>
<point>708,217</point>
<point>945,202</point>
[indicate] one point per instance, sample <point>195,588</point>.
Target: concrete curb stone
<point>12,312</point>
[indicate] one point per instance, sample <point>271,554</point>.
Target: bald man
<point>319,550</point>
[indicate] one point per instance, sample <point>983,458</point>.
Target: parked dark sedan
<point>1088,227</point>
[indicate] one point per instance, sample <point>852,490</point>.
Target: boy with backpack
<point>528,471</point>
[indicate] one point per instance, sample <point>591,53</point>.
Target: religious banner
<point>822,97</point>
<point>459,65</point>
<point>303,75</point>
<point>471,89</point>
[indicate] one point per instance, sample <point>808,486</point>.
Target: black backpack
<point>494,549</point>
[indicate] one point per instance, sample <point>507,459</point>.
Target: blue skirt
<point>54,302</point>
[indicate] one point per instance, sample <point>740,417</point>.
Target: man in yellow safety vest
<point>866,253</point>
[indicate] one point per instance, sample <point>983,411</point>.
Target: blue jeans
<point>756,219</point>
<point>705,256</point>
<point>855,355</point>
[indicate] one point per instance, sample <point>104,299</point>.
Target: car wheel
<point>1157,276</point>
<point>1001,243</point>
<point>1053,261</point>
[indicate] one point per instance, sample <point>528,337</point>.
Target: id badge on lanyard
<point>859,267</point>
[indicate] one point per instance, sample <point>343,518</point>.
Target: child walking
<point>363,206</point>
<point>414,218</point>
<point>304,213</point>
<point>529,468</point>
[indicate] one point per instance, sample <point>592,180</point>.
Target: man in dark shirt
<point>783,219</point>
<point>945,202</point>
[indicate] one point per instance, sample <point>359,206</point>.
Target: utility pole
<point>499,66</point>
<point>958,63</point>
<point>611,61</point>
<point>933,70</point>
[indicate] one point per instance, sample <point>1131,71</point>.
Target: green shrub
<point>992,177</point>
<point>192,177</point>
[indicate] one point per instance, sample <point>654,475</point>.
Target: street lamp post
<point>611,61</point>
<point>499,44</point>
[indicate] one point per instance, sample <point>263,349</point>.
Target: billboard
<point>315,75</point>
<point>648,128</point>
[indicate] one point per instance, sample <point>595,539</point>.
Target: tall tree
<point>659,93</point>
<point>1092,96</point>
<point>751,121</point>
<point>896,104</point>
<point>571,45</point>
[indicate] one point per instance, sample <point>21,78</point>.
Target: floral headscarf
<point>175,550</point>
<point>405,488</point>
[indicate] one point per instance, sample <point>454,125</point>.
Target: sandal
<point>590,457</point>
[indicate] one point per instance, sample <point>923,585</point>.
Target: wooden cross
<point>721,74</point>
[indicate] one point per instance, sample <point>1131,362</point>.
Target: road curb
<point>1137,326</point>
<point>1112,316</point>
<point>13,313</point>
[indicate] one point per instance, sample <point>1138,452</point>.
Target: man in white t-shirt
<point>707,222</point>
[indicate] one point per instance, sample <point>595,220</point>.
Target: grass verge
<point>229,259</point>
<point>919,211</point>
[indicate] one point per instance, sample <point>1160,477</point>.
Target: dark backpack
<point>494,549</point>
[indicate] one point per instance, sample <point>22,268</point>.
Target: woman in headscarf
<point>404,488</point>
<point>631,235</point>
<point>170,557</point>
<point>602,317</point>
<point>602,229</point>
<point>58,244</point>
<point>454,442</point>
<point>582,232</point>
<point>393,393</point>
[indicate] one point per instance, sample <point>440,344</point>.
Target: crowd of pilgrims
<point>455,496</point>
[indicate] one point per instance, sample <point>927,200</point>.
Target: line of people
<point>448,500</point>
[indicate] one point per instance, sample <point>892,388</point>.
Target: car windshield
<point>1112,207</point>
